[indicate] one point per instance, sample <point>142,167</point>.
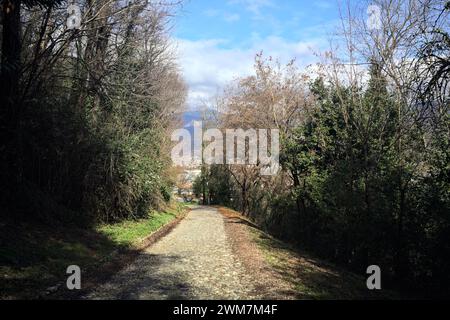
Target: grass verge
<point>34,258</point>
<point>309,277</point>
<point>130,233</point>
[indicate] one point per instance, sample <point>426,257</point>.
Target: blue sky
<point>217,40</point>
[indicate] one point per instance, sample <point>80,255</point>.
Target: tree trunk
<point>11,47</point>
<point>9,88</point>
<point>244,198</point>
<point>301,207</point>
<point>401,260</point>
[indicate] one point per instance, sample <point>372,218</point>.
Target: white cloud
<point>254,6</point>
<point>228,17</point>
<point>231,17</point>
<point>323,4</point>
<point>208,65</point>
<point>211,13</point>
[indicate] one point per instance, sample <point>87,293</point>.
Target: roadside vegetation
<point>86,113</point>
<point>130,232</point>
<point>306,276</point>
<point>312,277</point>
<point>34,263</point>
<point>85,121</point>
<point>364,147</point>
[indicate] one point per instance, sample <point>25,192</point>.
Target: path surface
<point>194,261</point>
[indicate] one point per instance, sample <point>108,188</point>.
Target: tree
<point>89,113</point>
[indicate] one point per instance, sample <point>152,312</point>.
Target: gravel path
<point>194,261</point>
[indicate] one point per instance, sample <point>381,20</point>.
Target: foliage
<point>86,122</point>
<point>39,254</point>
<point>365,154</point>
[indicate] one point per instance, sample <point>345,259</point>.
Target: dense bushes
<point>92,108</point>
<point>351,194</point>
<point>365,197</point>
<point>364,151</point>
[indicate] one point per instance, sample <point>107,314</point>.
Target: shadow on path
<point>143,280</point>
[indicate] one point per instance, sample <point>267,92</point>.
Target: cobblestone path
<point>194,261</point>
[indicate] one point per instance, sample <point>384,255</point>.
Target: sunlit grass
<point>39,255</point>
<point>128,233</point>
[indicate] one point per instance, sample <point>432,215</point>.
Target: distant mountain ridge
<point>190,116</point>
